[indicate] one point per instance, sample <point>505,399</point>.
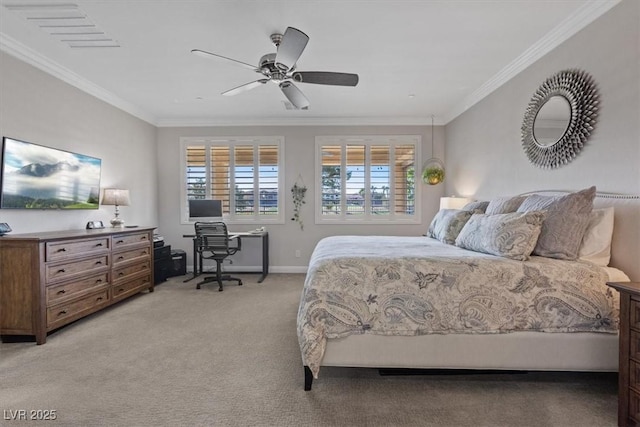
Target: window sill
<point>412,221</point>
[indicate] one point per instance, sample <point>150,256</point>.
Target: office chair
<point>212,242</point>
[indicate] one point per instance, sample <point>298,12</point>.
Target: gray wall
<point>483,146</point>
<point>42,109</point>
<point>299,159</point>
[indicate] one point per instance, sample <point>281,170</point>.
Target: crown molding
<point>582,17</point>
<point>28,55</point>
<point>300,121</point>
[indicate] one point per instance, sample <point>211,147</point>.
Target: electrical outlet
<point>297,253</point>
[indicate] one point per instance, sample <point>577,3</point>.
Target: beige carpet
<point>187,357</point>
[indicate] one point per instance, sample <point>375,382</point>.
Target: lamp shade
<point>453,202</point>
<point>115,196</point>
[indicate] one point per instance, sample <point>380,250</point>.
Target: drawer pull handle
<point>62,291</point>
<point>121,290</point>
<point>62,250</point>
<point>120,257</point>
<point>121,274</point>
<point>62,270</point>
<point>98,244</point>
<point>62,312</point>
<point>99,281</point>
<point>99,299</point>
<point>119,241</point>
<point>98,262</point>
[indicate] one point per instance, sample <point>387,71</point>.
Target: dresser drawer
<point>64,313</point>
<point>69,248</point>
<point>125,289</point>
<point>125,256</point>
<point>634,405</point>
<point>124,240</point>
<point>65,291</point>
<point>634,345</point>
<point>634,314</point>
<point>124,272</point>
<point>63,271</point>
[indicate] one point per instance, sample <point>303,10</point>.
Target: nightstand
<point>629,367</point>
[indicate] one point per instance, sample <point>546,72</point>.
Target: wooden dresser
<point>50,279</point>
<point>629,367</point>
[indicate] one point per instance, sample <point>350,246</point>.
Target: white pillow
<point>596,243</point>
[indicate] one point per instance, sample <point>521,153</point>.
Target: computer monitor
<point>205,210</point>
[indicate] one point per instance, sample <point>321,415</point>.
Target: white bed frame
<point>529,351</point>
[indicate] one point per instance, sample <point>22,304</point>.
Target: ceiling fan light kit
<point>280,68</point>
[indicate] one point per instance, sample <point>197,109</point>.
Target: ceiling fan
<point>280,68</point>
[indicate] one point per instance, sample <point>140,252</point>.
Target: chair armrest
<point>238,240</point>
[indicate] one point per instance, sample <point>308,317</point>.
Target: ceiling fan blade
<point>206,54</point>
<point>291,46</point>
<point>245,87</point>
<point>326,78</point>
<point>294,95</point>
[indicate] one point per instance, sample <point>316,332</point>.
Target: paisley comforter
<point>391,285</point>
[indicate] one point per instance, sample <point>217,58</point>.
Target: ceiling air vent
<point>65,22</point>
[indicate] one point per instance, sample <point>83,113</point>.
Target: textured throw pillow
<point>447,223</point>
<point>503,205</point>
<point>566,221</point>
<point>477,206</point>
<point>511,235</point>
<point>596,243</point>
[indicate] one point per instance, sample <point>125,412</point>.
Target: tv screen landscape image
<point>39,177</point>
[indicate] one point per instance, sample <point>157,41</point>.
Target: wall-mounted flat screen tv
<point>39,177</point>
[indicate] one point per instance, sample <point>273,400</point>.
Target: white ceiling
<point>415,58</point>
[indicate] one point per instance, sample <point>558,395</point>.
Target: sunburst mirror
<point>560,118</point>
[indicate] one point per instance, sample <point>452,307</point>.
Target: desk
<point>264,235</point>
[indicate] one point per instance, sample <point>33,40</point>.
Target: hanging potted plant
<point>433,172</point>
<point>432,169</point>
<point>298,192</point>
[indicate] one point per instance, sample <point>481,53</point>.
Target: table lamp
<point>116,197</point>
<point>453,202</point>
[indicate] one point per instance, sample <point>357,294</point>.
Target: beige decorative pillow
<point>511,235</point>
<point>503,205</point>
<point>447,223</point>
<point>566,221</point>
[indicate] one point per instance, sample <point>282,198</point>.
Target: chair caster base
<point>220,285</point>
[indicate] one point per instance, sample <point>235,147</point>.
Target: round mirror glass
<point>552,121</point>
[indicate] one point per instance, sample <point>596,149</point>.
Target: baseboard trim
<point>257,269</point>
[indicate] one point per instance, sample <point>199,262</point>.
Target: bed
<point>418,302</point>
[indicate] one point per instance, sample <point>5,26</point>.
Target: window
<point>367,179</point>
<point>247,174</point>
